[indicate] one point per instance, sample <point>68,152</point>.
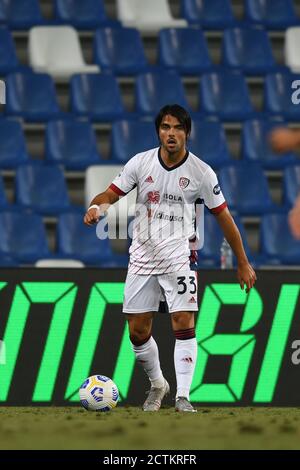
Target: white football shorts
<point>143,293</point>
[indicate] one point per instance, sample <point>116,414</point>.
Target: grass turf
<point>131,428</point>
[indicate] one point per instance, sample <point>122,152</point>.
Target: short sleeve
<point>211,192</point>
<point>126,180</point>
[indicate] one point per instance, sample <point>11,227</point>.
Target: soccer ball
<point>98,393</point>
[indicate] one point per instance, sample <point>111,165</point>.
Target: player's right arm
<point>103,201</point>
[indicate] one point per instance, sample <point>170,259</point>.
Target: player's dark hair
<point>179,113</point>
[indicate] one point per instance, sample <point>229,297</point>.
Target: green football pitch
<point>131,428</point>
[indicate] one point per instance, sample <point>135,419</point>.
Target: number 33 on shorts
<point>143,293</point>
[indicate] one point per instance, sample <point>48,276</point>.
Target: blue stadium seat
<point>72,144</point>
<point>3,200</point>
<point>209,255</point>
<point>96,96</point>
<point>120,50</point>
<point>291,184</point>
<point>129,137</point>
<point>256,147</point>
<point>20,14</point>
<point>208,142</point>
<point>12,144</point>
<point>278,95</point>
<point>210,14</point>
<point>153,90</point>
<point>31,96</point>
<point>248,50</point>
<point>272,14</point>
<point>277,241</point>
<point>76,240</point>
<point>185,50</point>
<point>87,14</point>
<point>22,236</point>
<point>245,188</point>
<point>8,262</point>
<point>8,57</point>
<point>41,188</point>
<point>226,95</point>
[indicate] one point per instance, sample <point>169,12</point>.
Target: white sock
<point>147,356</point>
<point>185,356</point>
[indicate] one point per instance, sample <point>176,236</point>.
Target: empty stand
<point>20,14</point>
<point>129,137</point>
<point>256,145</point>
<point>71,143</point>
<point>208,142</point>
<point>245,188</point>
<point>209,14</point>
<point>87,14</point>
<point>277,242</point>
<point>147,16</point>
<point>273,14</point>
<point>291,49</point>
<point>12,144</point>
<point>278,95</point>
<point>120,50</point>
<point>291,184</point>
<point>184,49</point>
<point>248,50</point>
<point>76,240</point>
<point>41,188</point>
<point>8,57</point>
<point>156,89</point>
<point>226,96</point>
<point>96,96</point>
<point>31,96</point>
<point>56,50</point>
<point>22,237</point>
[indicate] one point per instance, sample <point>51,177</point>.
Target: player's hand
<point>92,216</point>
<point>246,276</point>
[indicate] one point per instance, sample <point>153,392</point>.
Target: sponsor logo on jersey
<point>153,197</point>
<point>171,218</point>
<point>149,180</point>
<point>172,197</point>
<point>192,300</point>
<point>184,182</point>
<point>217,189</point>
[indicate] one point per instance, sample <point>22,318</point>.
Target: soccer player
<point>169,181</point>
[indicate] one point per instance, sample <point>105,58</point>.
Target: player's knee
<point>182,321</point>
<point>139,334</point>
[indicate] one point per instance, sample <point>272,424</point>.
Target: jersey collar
<point>172,167</point>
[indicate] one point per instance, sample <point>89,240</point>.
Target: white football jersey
<point>165,213</point>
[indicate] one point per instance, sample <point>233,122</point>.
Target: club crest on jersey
<point>184,182</point>
<point>153,197</point>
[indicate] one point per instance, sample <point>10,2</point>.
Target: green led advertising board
<point>60,326</point>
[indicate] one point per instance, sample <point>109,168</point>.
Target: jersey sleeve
<point>126,180</point>
<point>212,194</point>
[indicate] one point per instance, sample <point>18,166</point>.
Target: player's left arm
<point>245,273</point>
